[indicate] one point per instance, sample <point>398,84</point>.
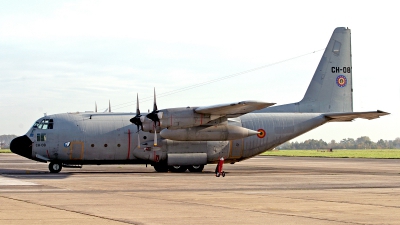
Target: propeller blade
<point>155,136</point>
<point>137,120</point>
<point>109,106</point>
<point>137,129</point>
<point>95,106</point>
<point>138,140</point>
<point>154,115</point>
<point>137,105</point>
<point>155,104</point>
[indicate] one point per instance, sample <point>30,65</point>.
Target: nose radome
<point>22,146</point>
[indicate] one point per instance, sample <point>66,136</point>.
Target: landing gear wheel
<point>55,167</point>
<point>223,173</point>
<point>217,174</point>
<point>177,169</point>
<point>162,168</point>
<point>196,169</point>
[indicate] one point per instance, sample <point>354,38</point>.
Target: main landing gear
<point>178,169</point>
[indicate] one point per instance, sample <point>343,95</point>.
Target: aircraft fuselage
<point>101,138</point>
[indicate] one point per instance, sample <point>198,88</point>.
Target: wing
<point>350,116</point>
<point>233,109</point>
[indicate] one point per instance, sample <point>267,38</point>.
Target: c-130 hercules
<point>191,137</point>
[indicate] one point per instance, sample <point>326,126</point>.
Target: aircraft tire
<point>161,168</point>
<point>177,169</point>
<point>196,168</point>
<point>55,167</point>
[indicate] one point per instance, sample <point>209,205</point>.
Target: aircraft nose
<point>22,146</point>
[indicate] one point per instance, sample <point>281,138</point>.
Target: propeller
<point>138,119</point>
<point>155,116</point>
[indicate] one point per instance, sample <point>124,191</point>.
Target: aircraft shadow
<point>29,174</point>
<point>134,172</point>
<point>45,174</point>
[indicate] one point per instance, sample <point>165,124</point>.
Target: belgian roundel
<point>261,133</point>
<point>341,81</point>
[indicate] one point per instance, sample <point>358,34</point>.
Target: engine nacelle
<point>154,154</point>
<point>148,126</point>
<point>211,133</point>
<point>178,118</point>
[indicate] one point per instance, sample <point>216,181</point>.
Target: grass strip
<point>5,151</point>
<point>357,153</point>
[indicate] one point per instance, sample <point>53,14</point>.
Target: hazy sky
<point>63,56</point>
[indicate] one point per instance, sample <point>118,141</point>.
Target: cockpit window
<point>44,124</point>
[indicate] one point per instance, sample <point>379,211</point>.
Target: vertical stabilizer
<point>330,89</point>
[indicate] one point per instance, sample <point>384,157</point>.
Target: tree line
<point>5,140</point>
<point>363,142</point>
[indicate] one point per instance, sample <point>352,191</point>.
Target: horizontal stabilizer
<point>237,108</point>
<point>350,116</point>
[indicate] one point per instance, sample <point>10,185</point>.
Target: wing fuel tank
<point>211,133</point>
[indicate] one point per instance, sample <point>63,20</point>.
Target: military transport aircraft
<point>177,139</point>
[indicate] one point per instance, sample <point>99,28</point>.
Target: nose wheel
<point>55,167</point>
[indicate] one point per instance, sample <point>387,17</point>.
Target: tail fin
<point>330,89</point>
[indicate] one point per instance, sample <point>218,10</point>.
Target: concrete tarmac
<point>261,190</point>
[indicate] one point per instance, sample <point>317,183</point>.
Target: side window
<point>41,137</point>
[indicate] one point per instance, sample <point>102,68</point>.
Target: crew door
<point>236,148</point>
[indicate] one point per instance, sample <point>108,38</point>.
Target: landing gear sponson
<point>55,167</point>
<point>178,169</point>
